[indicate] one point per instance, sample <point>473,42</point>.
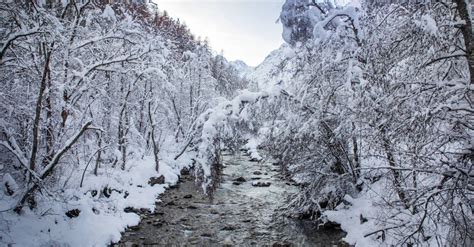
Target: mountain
<point>278,67</point>
<point>242,68</point>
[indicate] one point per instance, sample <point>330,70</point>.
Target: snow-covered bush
<point>382,102</point>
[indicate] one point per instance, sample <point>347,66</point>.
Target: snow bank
<point>102,218</point>
<point>368,223</point>
<point>357,218</point>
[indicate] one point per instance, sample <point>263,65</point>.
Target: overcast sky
<point>243,29</point>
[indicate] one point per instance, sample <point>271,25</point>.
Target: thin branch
<point>10,40</point>
<point>443,58</point>
<point>55,160</point>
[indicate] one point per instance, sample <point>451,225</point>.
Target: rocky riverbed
<point>242,213</point>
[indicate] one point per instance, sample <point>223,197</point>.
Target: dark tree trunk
<point>466,30</point>
<point>38,108</point>
<point>397,176</point>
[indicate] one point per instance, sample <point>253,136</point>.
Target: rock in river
<point>240,179</point>
<point>261,184</point>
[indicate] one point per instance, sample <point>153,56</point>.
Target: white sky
<point>243,29</point>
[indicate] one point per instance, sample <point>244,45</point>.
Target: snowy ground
<point>357,217</point>
<point>101,218</point>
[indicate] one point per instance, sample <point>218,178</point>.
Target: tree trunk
<point>466,30</point>
<point>36,123</point>
<point>49,125</point>
<point>397,176</point>
<point>123,126</point>
<point>156,148</point>
<point>99,154</point>
<point>355,150</point>
<point>179,129</point>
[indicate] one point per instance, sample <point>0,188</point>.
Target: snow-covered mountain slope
<point>278,67</point>
<point>242,68</point>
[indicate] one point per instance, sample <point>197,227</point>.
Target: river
<point>240,214</point>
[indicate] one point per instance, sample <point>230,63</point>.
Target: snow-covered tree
<point>99,81</point>
<point>388,89</point>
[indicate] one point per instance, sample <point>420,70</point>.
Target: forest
<point>367,108</point>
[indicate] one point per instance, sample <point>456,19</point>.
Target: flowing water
<point>240,214</point>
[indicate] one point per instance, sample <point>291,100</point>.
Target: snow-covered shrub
<point>389,93</point>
